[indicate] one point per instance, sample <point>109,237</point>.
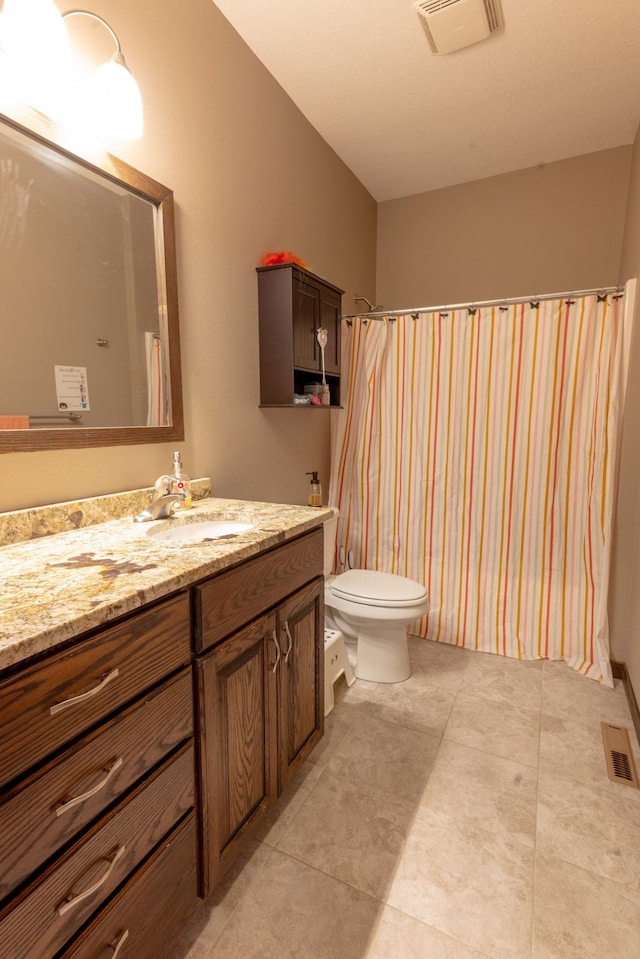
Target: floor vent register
<point>617,749</point>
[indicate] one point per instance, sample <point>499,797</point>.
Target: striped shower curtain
<point>476,454</point>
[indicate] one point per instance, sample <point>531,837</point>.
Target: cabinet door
<point>301,686</point>
<point>306,320</point>
<point>330,312</point>
<point>238,741</point>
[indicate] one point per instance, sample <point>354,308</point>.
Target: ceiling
<point>561,79</point>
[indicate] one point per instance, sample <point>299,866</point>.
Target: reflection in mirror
<point>88,306</point>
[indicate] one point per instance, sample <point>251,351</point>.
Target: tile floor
<point>464,814</point>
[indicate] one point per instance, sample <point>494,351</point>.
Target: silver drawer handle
<point>118,943</point>
<point>274,637</point>
<point>288,632</point>
<point>75,899</point>
<point>58,707</point>
<point>110,771</point>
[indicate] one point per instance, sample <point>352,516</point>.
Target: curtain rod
<point>447,307</point>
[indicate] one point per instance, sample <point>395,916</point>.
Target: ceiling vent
<point>452,24</point>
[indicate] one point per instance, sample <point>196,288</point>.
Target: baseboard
<point>620,671</point>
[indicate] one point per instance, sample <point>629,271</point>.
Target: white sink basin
<point>189,533</point>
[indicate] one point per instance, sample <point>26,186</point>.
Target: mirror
<point>88,300</point>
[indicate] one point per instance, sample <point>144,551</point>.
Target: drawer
<point>227,602</point>
<point>42,814</point>
<point>147,914</point>
<point>43,918</point>
<point>45,706</point>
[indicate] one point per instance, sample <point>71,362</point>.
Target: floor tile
<point>482,790</point>
<point>385,757</point>
<point>296,912</point>
<point>579,915</point>
<point>502,680</point>
<point>566,693</point>
<point>199,935</point>
<point>443,664</point>
<point>416,703</point>
<point>496,727</point>
<point>581,826</point>
<point>468,883</point>
<point>573,747</point>
<point>351,834</point>
<point>337,725</point>
<point>278,820</point>
<point>401,937</point>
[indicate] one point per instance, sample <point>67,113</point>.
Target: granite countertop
<point>58,586</point>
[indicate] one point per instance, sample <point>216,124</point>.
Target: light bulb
<point>34,29</point>
<point>116,101</point>
<point>36,46</point>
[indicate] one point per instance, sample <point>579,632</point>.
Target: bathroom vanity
<point>147,729</point>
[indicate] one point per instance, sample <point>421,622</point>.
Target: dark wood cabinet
<point>148,912</point>
<point>236,686</point>
<point>300,678</point>
<point>115,812</point>
<point>293,305</point>
<point>97,768</point>
<point>260,692</point>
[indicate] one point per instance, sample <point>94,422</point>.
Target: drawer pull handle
<point>58,707</point>
<point>75,899</point>
<point>110,771</point>
<point>274,637</point>
<point>118,943</point>
<point>288,632</point>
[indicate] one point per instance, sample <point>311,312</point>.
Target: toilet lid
<point>371,588</point>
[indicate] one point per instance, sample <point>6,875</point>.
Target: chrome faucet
<point>162,503</point>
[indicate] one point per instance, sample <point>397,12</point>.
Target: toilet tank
<point>330,530</point>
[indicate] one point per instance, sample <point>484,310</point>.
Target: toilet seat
<point>368,587</point>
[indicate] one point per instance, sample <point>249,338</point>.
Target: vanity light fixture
<point>115,95</point>
<point>36,53</point>
<point>34,50</point>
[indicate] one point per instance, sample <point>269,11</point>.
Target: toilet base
<point>383,655</point>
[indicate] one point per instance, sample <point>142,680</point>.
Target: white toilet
<point>372,610</point>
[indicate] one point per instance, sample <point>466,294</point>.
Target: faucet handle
<point>163,485</point>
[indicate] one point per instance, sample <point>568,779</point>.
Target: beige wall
<point>554,227</point>
<point>250,175</point>
<point>625,590</point>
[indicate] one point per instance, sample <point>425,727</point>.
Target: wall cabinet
<point>293,305</point>
<point>96,770</point>
<point>260,691</point>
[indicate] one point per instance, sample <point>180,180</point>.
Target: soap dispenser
<point>315,490</point>
<point>181,482</point>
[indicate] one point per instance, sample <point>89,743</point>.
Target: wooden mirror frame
<point>111,168</point>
